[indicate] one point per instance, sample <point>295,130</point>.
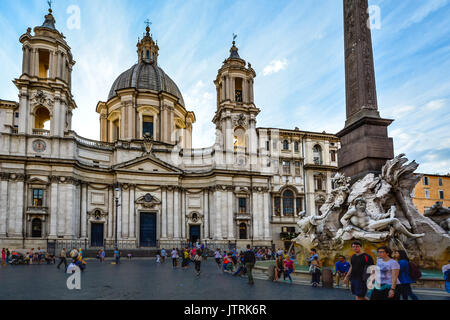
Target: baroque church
<point>143,184</point>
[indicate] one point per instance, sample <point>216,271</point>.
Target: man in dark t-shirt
<point>249,260</point>
<point>358,267</point>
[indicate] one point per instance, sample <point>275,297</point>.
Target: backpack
<point>366,275</point>
<point>414,272</point>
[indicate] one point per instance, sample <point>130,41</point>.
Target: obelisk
<point>365,145</point>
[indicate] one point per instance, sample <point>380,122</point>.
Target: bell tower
<point>45,99</point>
<point>236,113</point>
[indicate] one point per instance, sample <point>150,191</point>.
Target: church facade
<point>143,183</point>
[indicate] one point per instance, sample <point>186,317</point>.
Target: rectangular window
<point>441,194</point>
<point>268,145</point>
<point>427,194</point>
<point>296,146</point>
<point>299,205</point>
<point>277,205</point>
<point>16,114</point>
<point>286,167</point>
<point>242,205</point>
<point>147,126</point>
<point>318,182</point>
<point>297,167</point>
<point>333,155</point>
<point>440,181</point>
<point>38,195</point>
<point>425,181</point>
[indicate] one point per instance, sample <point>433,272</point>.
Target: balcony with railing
<point>41,132</point>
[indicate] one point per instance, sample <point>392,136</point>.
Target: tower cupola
<point>147,48</point>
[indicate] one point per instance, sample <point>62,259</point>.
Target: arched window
<point>148,56</point>
<point>288,203</point>
<point>285,145</point>
<point>36,228</point>
<point>242,231</point>
<point>317,154</point>
<point>42,119</point>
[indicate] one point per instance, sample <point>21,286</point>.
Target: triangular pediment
<point>147,164</point>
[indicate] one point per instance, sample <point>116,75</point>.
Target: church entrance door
<point>148,230</point>
<point>96,234</point>
<point>194,233</point>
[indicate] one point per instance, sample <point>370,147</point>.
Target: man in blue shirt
<point>163,255</point>
<point>342,267</point>
<point>314,254</point>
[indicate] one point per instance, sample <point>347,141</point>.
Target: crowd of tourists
<point>389,279</point>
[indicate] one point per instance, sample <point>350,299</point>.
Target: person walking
<point>62,258</point>
<point>279,267</point>
<point>174,255</point>
<point>217,257</point>
<point>3,257</point>
<point>8,254</point>
<point>389,271</point>
<point>405,279</point>
<point>117,255</point>
<point>341,267</point>
<point>249,260</point>
<point>102,255</point>
<point>446,272</point>
<point>163,255</point>
<point>158,257</point>
<point>357,272</point>
<point>288,268</point>
<point>197,261</point>
<point>204,253</point>
<point>315,271</point>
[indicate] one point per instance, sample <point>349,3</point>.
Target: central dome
<point>146,76</point>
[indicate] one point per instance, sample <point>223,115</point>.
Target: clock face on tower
<point>39,146</point>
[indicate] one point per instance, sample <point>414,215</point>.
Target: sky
<point>296,48</point>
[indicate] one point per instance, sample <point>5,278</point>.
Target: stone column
<point>3,204</point>
<point>183,214</point>
<point>69,209</point>
<point>205,214</point>
<point>176,204</point>
<point>19,205</point>
<point>119,215</point>
<point>266,216</point>
<point>36,62</point>
<point>244,90</point>
<point>125,211</point>
<point>255,214</point>
<point>23,114</point>
<point>132,212</point>
<point>84,193</point>
<point>111,211</point>
<point>217,213</point>
<point>170,214</point>
<point>56,125</point>
<point>61,209</point>
<point>230,214</point>
<point>164,213</point>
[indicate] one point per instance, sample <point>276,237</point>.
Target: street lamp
<point>117,210</point>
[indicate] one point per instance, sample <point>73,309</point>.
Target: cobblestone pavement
<point>145,279</point>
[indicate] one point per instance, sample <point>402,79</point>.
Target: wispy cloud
<point>295,47</point>
<point>275,66</point>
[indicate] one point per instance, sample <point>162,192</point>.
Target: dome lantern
<point>147,48</point>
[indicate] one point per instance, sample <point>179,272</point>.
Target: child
<point>158,258</point>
